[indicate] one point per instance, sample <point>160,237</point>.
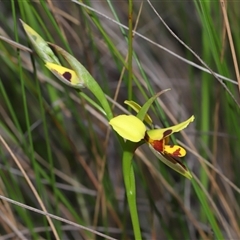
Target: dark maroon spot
<point>167,132</point>
<point>68,76</point>
<point>176,153</point>
<point>158,145</point>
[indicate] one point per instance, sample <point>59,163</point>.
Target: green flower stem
<point>128,151</point>
<point>129,180</point>
<point>130,48</point>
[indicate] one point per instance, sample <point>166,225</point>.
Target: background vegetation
<point>62,142</point>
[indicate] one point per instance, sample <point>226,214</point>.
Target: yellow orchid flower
<point>134,130</point>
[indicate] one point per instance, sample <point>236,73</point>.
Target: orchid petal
<point>129,127</point>
<point>157,134</point>
<point>174,150</point>
<point>136,107</point>
<point>173,163</point>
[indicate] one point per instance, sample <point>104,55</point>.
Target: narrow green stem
<point>129,180</point>
<point>128,151</point>
<point>130,51</point>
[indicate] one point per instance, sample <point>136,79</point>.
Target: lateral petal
<point>157,134</point>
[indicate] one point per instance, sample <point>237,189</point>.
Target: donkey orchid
<point>133,129</point>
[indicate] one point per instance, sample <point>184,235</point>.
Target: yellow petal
<point>173,163</point>
<point>174,150</point>
<point>128,127</point>
<point>136,107</point>
<point>66,75</point>
<point>157,134</point>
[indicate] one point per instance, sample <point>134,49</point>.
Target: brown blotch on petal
<point>174,160</point>
<point>158,145</point>
<point>169,158</point>
<point>167,132</point>
<point>68,76</point>
<point>176,153</point>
